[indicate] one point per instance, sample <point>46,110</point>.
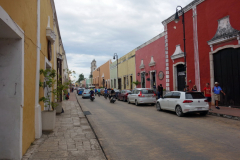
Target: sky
<point>96,29</point>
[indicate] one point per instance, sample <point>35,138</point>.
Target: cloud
<point>99,28</point>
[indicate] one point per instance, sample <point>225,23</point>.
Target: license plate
<point>199,108</point>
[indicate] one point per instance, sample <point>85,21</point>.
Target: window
<point>168,95</point>
<point>176,95</point>
<point>145,91</point>
<point>114,83</point>
<point>194,95</point>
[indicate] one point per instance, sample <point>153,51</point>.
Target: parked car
<point>123,95</point>
<point>80,91</point>
<point>86,93</point>
<point>142,96</point>
<point>183,102</point>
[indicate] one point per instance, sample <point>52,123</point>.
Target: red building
<point>212,47</point>
<point>150,63</point>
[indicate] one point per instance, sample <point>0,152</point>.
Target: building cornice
<point>185,9</point>
<point>150,41</point>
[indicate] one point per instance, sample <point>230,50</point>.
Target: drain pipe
<point>38,116</point>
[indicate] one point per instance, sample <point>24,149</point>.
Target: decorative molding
<point>185,9</point>
<point>178,53</point>
<point>225,32</point>
<point>59,56</point>
<point>142,65</point>
<point>51,36</point>
<point>152,62</point>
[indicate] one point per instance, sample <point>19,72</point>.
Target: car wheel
<point>152,104</point>
<point>179,111</point>
<point>158,106</point>
<point>204,113</point>
<point>128,101</point>
<point>136,103</point>
<point>124,100</point>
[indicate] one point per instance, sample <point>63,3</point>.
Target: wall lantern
<point>138,74</point>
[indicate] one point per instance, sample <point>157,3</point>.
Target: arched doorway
<point>179,76</point>
<point>227,73</point>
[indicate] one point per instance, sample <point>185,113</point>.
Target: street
<point>134,132</point>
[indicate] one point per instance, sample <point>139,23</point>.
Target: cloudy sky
<point>96,29</point>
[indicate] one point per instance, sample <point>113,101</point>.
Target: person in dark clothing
<point>160,91</point>
<point>112,93</point>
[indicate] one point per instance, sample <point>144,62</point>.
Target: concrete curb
<point>224,116</point>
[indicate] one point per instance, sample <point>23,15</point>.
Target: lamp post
<point>184,39</point>
<point>116,56</point>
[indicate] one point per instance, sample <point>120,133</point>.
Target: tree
<point>81,77</point>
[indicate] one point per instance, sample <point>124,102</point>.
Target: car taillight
<point>205,100</point>
<point>126,94</point>
<point>154,95</point>
<point>84,93</point>
<point>187,101</point>
<point>140,94</point>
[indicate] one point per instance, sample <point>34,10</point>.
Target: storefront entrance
<point>227,73</point>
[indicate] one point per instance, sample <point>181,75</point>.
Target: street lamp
<point>116,56</point>
<point>177,19</point>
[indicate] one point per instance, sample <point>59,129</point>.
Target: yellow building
<point>127,71</point>
<point>29,41</point>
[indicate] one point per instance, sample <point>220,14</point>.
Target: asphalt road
<point>132,132</point>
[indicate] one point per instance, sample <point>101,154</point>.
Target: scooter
<point>92,97</point>
<point>112,99</point>
<point>105,96</point>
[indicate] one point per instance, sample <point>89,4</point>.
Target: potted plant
<point>136,83</point>
<point>48,84</point>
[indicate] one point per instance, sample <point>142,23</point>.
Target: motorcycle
<point>112,99</point>
<point>105,96</point>
<point>92,97</point>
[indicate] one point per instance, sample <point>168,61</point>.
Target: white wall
<point>11,94</point>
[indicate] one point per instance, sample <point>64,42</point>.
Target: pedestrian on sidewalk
<point>194,88</point>
<point>207,94</point>
<point>217,90</point>
<point>160,91</point>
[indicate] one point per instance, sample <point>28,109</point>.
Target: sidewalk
<point>232,113</point>
<point>72,138</point>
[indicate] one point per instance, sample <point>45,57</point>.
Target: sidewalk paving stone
<point>72,139</point>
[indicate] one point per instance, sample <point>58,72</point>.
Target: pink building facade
<point>151,63</point>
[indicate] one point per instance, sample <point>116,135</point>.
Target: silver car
<point>86,93</point>
<point>142,96</point>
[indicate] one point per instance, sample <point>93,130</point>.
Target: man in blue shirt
<point>217,90</point>
<point>95,91</point>
<point>105,92</point>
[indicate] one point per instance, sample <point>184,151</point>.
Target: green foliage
<point>49,83</point>
<point>81,77</point>
<point>136,83</point>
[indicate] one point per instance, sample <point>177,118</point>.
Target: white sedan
<point>183,102</point>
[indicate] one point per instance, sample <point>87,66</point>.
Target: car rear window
<point>194,95</point>
<point>81,89</point>
<point>146,91</point>
<point>128,91</point>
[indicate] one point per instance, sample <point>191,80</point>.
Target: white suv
<point>142,96</point>
<point>183,102</point>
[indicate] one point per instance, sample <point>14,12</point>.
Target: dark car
<point>123,95</point>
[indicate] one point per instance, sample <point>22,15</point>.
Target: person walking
<point>207,94</point>
<point>217,90</point>
<point>194,88</point>
<point>160,91</point>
